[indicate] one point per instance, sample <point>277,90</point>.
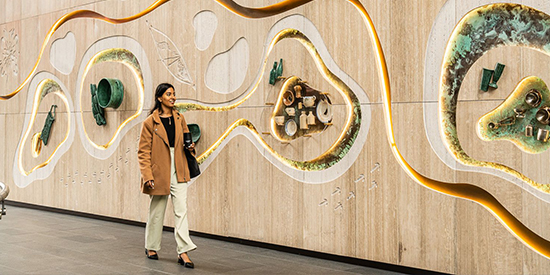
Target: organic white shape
<point>227,70</point>
<point>170,56</point>
<point>63,53</point>
<point>205,24</point>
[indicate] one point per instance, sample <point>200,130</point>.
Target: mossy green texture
<point>515,132</point>
<point>482,29</point>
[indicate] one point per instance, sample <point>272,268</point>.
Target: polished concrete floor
<point>42,242</point>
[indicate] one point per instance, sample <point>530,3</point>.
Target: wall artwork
<point>233,72</point>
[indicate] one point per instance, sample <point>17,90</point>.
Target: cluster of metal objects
<point>533,99</point>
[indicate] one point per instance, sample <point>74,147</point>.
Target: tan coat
<point>154,153</point>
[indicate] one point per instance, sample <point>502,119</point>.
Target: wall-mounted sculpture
<point>97,111</point>
<point>489,78</point>
<point>522,118</point>
<point>293,115</point>
<point>45,134</point>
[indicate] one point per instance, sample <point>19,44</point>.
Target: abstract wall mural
<point>298,113</point>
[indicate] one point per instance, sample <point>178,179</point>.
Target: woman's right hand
<point>150,184</point>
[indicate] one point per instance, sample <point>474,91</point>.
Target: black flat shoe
<point>152,257</point>
<point>186,264</point>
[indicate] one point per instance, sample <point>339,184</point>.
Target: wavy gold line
<point>466,191</point>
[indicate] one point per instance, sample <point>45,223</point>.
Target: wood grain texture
<point>381,215</point>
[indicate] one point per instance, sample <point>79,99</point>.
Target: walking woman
<point>164,172</point>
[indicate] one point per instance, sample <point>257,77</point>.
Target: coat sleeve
<point>144,151</point>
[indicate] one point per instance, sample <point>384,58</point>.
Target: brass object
<point>533,98</point>
<point>520,113</point>
<point>505,122</point>
<point>543,115</point>
<point>298,91</point>
<point>543,134</point>
<point>45,135</point>
<point>288,98</point>
<point>529,131</point>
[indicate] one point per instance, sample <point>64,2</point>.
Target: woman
<point>164,172</point>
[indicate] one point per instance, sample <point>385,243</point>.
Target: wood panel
<point>370,212</point>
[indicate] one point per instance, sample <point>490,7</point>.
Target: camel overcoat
<point>154,153</point>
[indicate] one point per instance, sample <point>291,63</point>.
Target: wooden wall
<point>390,218</point>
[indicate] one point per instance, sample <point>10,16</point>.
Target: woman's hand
<point>192,147</point>
<point>150,184</point>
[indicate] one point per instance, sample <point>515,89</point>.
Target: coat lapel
<point>159,128</point>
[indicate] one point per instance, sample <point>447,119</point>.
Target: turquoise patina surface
<point>503,123</point>
<point>479,31</point>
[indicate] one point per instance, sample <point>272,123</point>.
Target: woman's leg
<point>181,232</point>
<point>155,222</point>
<point>178,191</point>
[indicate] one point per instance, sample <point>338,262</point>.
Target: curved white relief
<point>133,46</point>
<point>304,25</point>
<point>227,70</point>
<point>20,179</point>
<point>63,53</point>
<point>205,24</point>
<point>449,15</point>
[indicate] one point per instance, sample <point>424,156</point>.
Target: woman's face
<point>168,99</point>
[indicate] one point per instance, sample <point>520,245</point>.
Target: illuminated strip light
<point>338,149</point>
<point>127,58</point>
<point>73,15</point>
<point>460,190</point>
<point>466,191</point>
<point>44,88</point>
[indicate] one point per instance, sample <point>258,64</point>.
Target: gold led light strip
<point>74,15</point>
<point>460,190</point>
<point>127,58</point>
<point>44,88</point>
<point>337,150</point>
<point>466,191</point>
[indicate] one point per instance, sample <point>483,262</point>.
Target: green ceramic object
<point>486,79</point>
<point>280,68</point>
<point>45,135</point>
<point>110,93</point>
<point>273,74</point>
<point>97,111</point>
<point>195,132</point>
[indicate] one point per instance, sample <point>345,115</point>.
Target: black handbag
<point>194,169</point>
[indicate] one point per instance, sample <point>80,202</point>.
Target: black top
<point>169,126</point>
